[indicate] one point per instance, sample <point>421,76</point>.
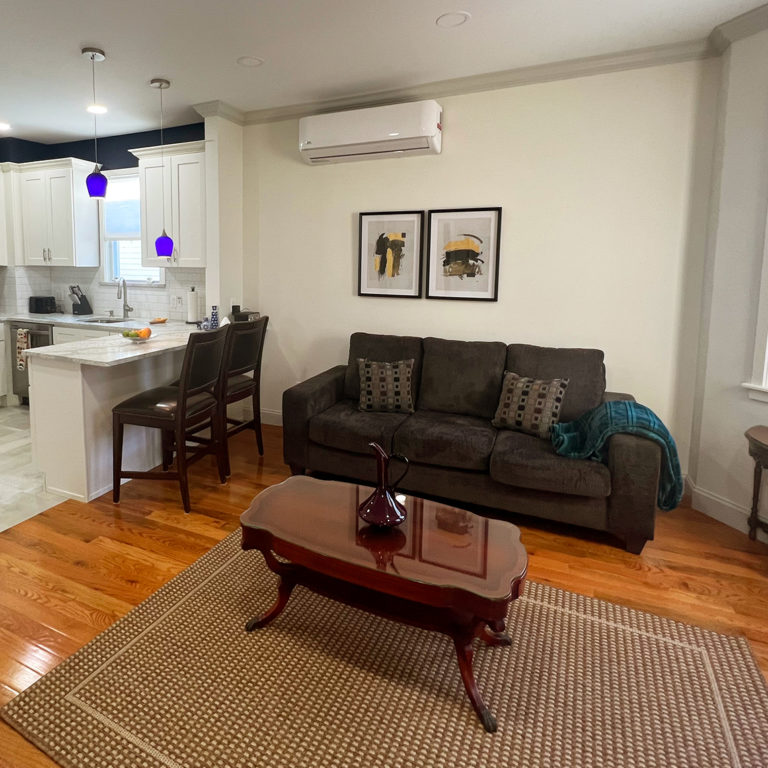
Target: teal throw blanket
<point>587,438</point>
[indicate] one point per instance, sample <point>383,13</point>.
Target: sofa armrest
<point>635,464</point>
<point>303,401</point>
<point>608,396</point>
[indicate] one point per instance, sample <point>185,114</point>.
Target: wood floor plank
<point>69,572</point>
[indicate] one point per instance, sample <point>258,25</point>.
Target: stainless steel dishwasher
<point>40,335</point>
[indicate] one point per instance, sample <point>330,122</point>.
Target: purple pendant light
<point>96,182</point>
<point>163,244</point>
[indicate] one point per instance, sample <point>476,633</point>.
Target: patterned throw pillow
<point>386,386</point>
<point>529,405</point>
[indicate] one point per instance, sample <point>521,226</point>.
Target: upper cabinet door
<point>60,223</point>
<point>61,243</point>
<point>180,169</point>
<point>155,194</point>
<point>34,216</point>
<point>188,207</point>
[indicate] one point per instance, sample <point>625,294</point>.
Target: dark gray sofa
<point>455,452</point>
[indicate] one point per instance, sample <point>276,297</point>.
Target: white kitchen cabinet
<point>60,223</point>
<point>65,335</point>
<point>172,191</point>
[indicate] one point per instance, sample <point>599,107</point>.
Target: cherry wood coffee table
<point>443,569</point>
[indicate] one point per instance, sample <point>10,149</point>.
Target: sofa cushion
<point>462,377</point>
<point>346,427</point>
<point>375,346</point>
<point>446,440</point>
<point>583,368</point>
<point>386,386</point>
<point>529,405</point>
<point>526,461</point>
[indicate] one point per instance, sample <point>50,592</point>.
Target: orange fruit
<point>145,333</point>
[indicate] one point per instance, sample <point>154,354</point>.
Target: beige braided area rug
<point>178,683</point>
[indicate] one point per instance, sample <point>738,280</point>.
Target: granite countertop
<point>86,321</point>
<point>106,351</point>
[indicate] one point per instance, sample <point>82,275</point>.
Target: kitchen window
<point>121,227</point>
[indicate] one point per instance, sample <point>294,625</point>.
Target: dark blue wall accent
<point>113,150</point>
<point>21,151</point>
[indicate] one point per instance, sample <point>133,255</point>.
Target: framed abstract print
<point>390,254</point>
<point>463,254</point>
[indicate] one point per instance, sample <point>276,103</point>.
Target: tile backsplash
<point>17,284</point>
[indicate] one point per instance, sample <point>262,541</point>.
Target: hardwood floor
<point>68,573</point>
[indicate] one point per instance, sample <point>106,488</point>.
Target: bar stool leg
<point>117,456</point>
<point>181,466</point>
<point>755,500</point>
<point>257,419</point>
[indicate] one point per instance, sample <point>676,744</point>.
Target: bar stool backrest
<point>201,369</point>
<point>246,345</point>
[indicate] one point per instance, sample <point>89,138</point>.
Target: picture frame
<point>390,248</point>
<point>463,254</point>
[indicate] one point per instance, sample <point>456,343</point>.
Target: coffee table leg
<point>464,654</point>
<point>495,634</point>
<point>284,589</point>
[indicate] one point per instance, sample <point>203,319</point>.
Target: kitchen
<point>64,260</point>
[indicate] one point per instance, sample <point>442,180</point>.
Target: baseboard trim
<point>274,418</point>
<point>724,510</point>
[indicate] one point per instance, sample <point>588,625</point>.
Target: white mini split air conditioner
<point>397,130</point>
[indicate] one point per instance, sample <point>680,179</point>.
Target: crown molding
<point>747,24</point>
<point>220,109</point>
<point>491,81</point>
<point>168,150</point>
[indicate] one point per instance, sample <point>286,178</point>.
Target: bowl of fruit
<point>138,336</point>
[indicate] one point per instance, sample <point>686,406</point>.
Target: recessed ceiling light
<point>250,61</point>
<point>5,126</point>
<point>96,109</point>
<point>453,19</point>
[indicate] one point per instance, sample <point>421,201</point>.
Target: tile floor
<point>21,484</point>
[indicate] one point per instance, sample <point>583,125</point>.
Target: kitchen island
<point>73,388</point>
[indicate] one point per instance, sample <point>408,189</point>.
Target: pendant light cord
<point>95,144</point>
<point>162,155</point>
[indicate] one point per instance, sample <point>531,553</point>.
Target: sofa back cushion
<point>381,348</point>
<point>462,377</point>
<point>583,368</point>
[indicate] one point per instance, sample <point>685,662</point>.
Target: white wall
<point>604,184</point>
<point>722,472</point>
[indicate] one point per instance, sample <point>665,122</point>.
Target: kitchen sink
<point>102,320</point>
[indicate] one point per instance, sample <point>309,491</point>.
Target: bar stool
<point>189,405</point>
<point>243,356</point>
<point>757,439</point>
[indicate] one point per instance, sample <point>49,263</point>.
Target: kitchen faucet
<point>122,293</point>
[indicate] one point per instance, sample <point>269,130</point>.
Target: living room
<point>633,193</point>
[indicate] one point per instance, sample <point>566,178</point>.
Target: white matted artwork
<point>463,254</point>
<point>390,254</point>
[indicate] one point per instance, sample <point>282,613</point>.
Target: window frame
<point>105,271</point>
<point>757,387</point>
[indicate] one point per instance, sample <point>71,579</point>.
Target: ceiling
<point>313,50</point>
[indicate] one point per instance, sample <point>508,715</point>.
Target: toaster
<point>42,305</point>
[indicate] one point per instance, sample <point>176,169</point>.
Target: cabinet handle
<point>50,258</point>
<point>43,254</point>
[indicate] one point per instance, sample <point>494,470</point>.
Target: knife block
<point>83,308</point>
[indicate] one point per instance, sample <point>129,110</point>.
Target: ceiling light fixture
<point>163,244</point>
<point>5,126</point>
<point>250,61</point>
<point>95,181</point>
<point>453,19</point>
<point>96,109</point>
